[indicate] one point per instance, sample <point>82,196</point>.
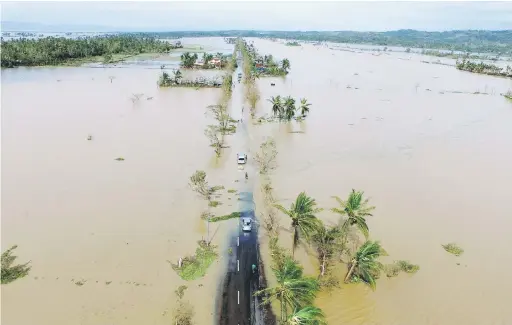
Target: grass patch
<point>232,215</point>
<point>394,269</point>
<point>12,272</point>
<point>452,248</point>
<point>214,204</point>
<point>195,266</point>
<point>231,191</point>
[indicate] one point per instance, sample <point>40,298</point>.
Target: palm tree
<point>356,209</point>
<point>364,264</point>
<point>304,107</point>
<point>289,108</point>
<point>306,316</point>
<point>277,105</point>
<point>326,241</point>
<point>285,65</point>
<point>304,222</point>
<point>292,289</point>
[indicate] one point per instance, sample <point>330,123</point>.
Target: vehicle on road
<point>241,158</point>
<point>246,224</point>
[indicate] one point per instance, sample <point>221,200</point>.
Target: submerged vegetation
<point>395,268</point>
<point>452,248</point>
<point>59,50</point>
<point>12,272</point>
<point>195,266</point>
<point>177,80</point>
<point>267,66</point>
<point>484,68</point>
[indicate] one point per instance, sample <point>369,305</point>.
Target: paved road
<point>238,306</point>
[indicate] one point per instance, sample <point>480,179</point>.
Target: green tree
<point>356,209</point>
<point>285,65</point>
<point>326,240</point>
<point>277,105</point>
<point>289,108</point>
<point>12,272</point>
<point>304,107</point>
<point>309,315</point>
<point>304,222</point>
<point>364,264</point>
<point>164,80</point>
<point>188,60</point>
<point>292,290</point>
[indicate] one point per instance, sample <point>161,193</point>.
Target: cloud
<point>376,16</point>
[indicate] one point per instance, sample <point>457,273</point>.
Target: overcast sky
<point>172,15</point>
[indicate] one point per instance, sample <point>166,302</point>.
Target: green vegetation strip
<point>195,266</point>
<point>233,215</point>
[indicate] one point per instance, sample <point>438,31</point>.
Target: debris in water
<point>119,159</point>
<point>89,137</point>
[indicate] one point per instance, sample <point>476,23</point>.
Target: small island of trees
<point>61,50</point>
<point>484,68</point>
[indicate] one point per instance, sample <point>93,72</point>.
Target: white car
<point>246,224</point>
<point>241,158</point>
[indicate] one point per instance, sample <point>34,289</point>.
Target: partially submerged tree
<point>356,209</point>
<point>12,272</point>
<point>293,290</point>
<point>364,265</point>
<point>188,60</point>
<point>266,158</point>
<point>327,241</point>
<point>304,107</point>
<point>304,222</point>
<point>199,184</point>
<point>225,121</point>
<point>309,315</point>
<point>212,133</point>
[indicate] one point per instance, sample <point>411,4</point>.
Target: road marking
<point>238,241</point>
<point>238,265</point>
<point>238,297</point>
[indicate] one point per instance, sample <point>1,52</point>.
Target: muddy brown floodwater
<point>434,162</point>
<point>436,166</point>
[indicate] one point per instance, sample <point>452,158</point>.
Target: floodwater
<point>81,216</point>
<point>432,156</point>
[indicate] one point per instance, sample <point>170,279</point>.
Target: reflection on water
<point>435,163</point>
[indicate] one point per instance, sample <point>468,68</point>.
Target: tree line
<point>484,68</point>
<point>481,41</point>
<point>58,50</point>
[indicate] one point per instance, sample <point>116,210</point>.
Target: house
<point>215,61</point>
<point>199,63</point>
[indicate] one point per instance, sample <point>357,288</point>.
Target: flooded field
<point>433,157</point>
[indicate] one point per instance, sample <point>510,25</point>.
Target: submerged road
<point>237,304</point>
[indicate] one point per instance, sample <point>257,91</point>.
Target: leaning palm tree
<point>356,209</point>
<point>306,316</point>
<point>304,107</point>
<point>277,105</point>
<point>292,289</point>
<point>327,240</point>
<point>304,222</point>
<point>364,264</point>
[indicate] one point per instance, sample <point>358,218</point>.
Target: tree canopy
<point>57,50</point>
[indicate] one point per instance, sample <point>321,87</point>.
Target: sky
<point>314,15</point>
